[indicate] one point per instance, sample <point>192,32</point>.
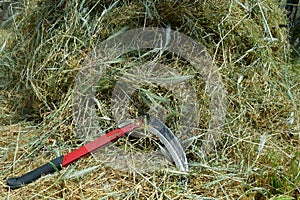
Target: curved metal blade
<point>165,135</point>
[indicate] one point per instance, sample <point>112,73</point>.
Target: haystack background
<point>44,45</point>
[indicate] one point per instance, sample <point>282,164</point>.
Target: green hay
<point>46,45</point>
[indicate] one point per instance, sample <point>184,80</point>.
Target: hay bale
<point>248,43</point>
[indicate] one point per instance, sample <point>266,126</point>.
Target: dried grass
<point>258,156</point>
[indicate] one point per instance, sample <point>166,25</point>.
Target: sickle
<point>155,126</point>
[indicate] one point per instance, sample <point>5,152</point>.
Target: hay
<point>258,156</point>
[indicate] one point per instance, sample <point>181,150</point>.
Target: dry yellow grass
<point>258,156</point>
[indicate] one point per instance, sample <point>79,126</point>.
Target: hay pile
<point>45,46</point>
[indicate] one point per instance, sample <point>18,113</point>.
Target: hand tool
<point>154,125</point>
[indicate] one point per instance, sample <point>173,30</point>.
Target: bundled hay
<point>258,154</point>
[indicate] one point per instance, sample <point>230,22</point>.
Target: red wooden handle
<point>99,142</point>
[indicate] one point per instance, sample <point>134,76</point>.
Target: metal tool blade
<point>166,136</point>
